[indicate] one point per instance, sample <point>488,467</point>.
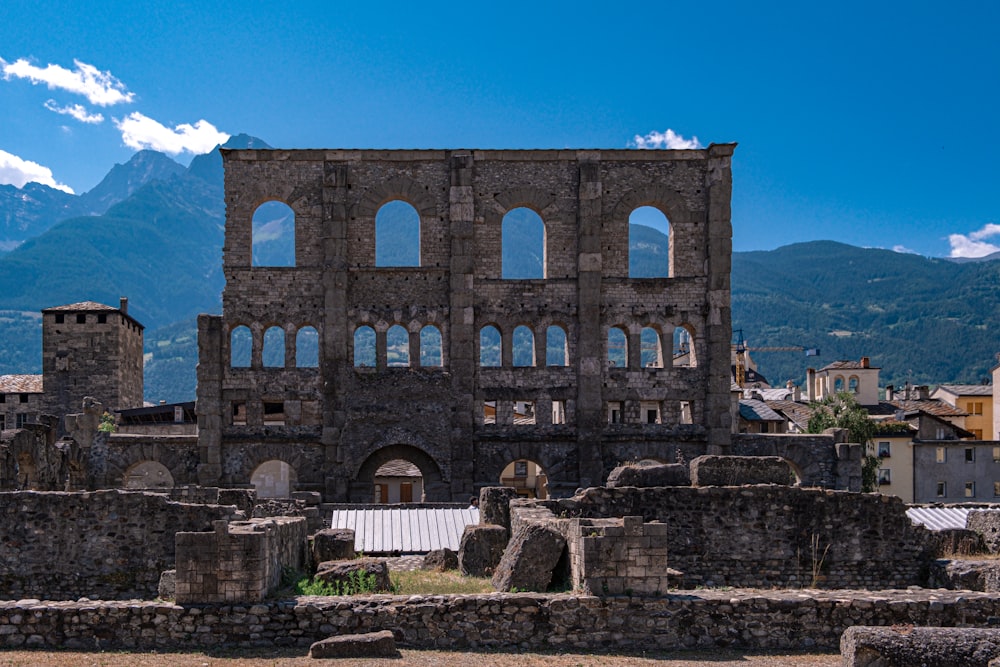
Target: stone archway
<point>363,484</point>
<point>148,475</point>
<point>274,479</point>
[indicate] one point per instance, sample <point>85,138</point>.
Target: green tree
<point>842,410</point>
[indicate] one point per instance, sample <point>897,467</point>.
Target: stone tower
<point>90,349</point>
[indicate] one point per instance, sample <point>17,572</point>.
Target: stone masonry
<point>339,422</point>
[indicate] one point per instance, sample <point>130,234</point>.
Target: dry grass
<point>429,582</point>
<point>412,658</point>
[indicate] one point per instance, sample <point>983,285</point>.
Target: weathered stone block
<point>740,470</point>
<point>369,645</point>
<point>168,585</point>
<point>441,560</point>
<point>481,549</point>
<point>332,544</point>
<point>529,559</point>
<point>373,572</point>
<point>904,646</point>
<point>494,505</point>
<point>649,474</point>
<point>987,524</point>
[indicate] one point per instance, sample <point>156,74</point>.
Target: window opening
<point>684,351</point>
<point>397,343</point>
<point>273,235</point>
<point>489,412</point>
<point>556,349</point>
<point>524,413</point>
<point>617,348</point>
<point>649,244</point>
<point>274,413</point>
<point>240,347</point>
<point>431,352</point>
<point>490,353</point>
<point>364,347</point>
<point>883,450</point>
<point>651,354</point>
<point>527,478</point>
<point>397,235</point>
<point>522,254</point>
<point>558,412</point>
<point>273,354</point>
<point>524,346</point>
<point>273,479</point>
<point>307,348</point>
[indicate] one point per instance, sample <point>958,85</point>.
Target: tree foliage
<point>842,410</point>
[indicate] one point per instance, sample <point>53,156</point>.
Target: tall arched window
<point>273,235</point>
<point>240,347</point>
<point>397,346</point>
<point>490,345</point>
<point>273,354</point>
<point>838,384</point>
<point>364,347</point>
<point>397,235</point>
<point>651,350</point>
<point>649,244</point>
<point>431,353</point>
<point>556,349</point>
<point>684,347</point>
<point>852,384</point>
<point>617,348</point>
<point>307,348</point>
<point>524,346</point>
<point>522,254</point>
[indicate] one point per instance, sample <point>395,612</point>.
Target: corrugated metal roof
<point>20,384</point>
<point>939,518</point>
<point>396,529</point>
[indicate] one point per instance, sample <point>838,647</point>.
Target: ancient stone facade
<point>334,424</point>
<point>90,349</point>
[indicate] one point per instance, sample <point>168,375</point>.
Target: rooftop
<point>20,384</point>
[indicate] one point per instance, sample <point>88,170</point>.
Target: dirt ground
<point>413,658</point>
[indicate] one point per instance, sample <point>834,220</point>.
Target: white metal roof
<point>405,530</point>
<point>943,518</point>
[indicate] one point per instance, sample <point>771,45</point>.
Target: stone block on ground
<point>987,524</point>
<point>166,590</point>
<point>952,542</point>
<point>529,559</point>
<point>346,573</point>
<point>965,575</point>
<point>481,549</point>
<point>368,645</point>
<point>494,505</point>
<point>904,646</point>
<point>332,544</point>
<point>440,560</point>
<point>645,474</point>
<point>713,470</point>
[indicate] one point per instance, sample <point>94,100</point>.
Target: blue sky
<point>874,124</point>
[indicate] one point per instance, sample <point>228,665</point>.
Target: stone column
<point>209,407</point>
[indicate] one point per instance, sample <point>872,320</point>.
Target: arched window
<point>838,384</point>
<point>397,235</point>
<point>527,477</point>
<point>273,479</point>
<point>397,344</point>
<point>651,350</point>
<point>648,244</point>
<point>273,354</point>
<point>617,348</point>
<point>430,346</point>
<point>524,346</point>
<point>852,384</point>
<point>556,349</point>
<point>364,346</point>
<point>490,346</point>
<point>273,235</point>
<point>522,253</point>
<point>684,347</point>
<point>307,348</point>
<point>240,347</point>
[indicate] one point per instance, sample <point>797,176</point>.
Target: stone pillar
<point>334,364</point>
<point>461,342</point>
<point>718,333</point>
<point>590,344</point>
<point>209,407</point>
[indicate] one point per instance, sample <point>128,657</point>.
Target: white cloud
<point>100,88</point>
<point>16,171</point>
<point>974,244</point>
<point>668,139</point>
<point>903,249</point>
<point>76,111</point>
<point>139,132</point>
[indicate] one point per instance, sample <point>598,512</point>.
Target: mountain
<point>29,211</point>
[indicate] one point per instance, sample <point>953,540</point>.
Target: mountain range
<point>153,230</point>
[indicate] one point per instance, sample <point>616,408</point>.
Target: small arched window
<point>524,346</point>
<point>240,347</point>
<point>364,347</point>
<point>649,244</point>
<point>397,344</point>
<point>273,235</point>
<point>838,384</point>
<point>684,347</point>
<point>556,349</point>
<point>652,353</point>
<point>431,353</point>
<point>397,235</point>
<point>522,253</point>
<point>852,384</point>
<point>490,353</point>
<point>273,354</point>
<point>617,348</point>
<point>307,348</point>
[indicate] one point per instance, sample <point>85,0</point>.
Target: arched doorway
<point>433,487</point>
<point>398,481</point>
<point>148,475</point>
<point>527,478</point>
<point>273,479</point>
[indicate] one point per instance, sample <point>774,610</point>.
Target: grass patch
<point>427,582</point>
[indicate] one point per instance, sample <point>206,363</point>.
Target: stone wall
<point>619,556</point>
<point>104,544</point>
<point>764,536</point>
<point>240,561</point>
<point>751,620</point>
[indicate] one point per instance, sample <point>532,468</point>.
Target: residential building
<point>20,400</point>
<point>977,402</point>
